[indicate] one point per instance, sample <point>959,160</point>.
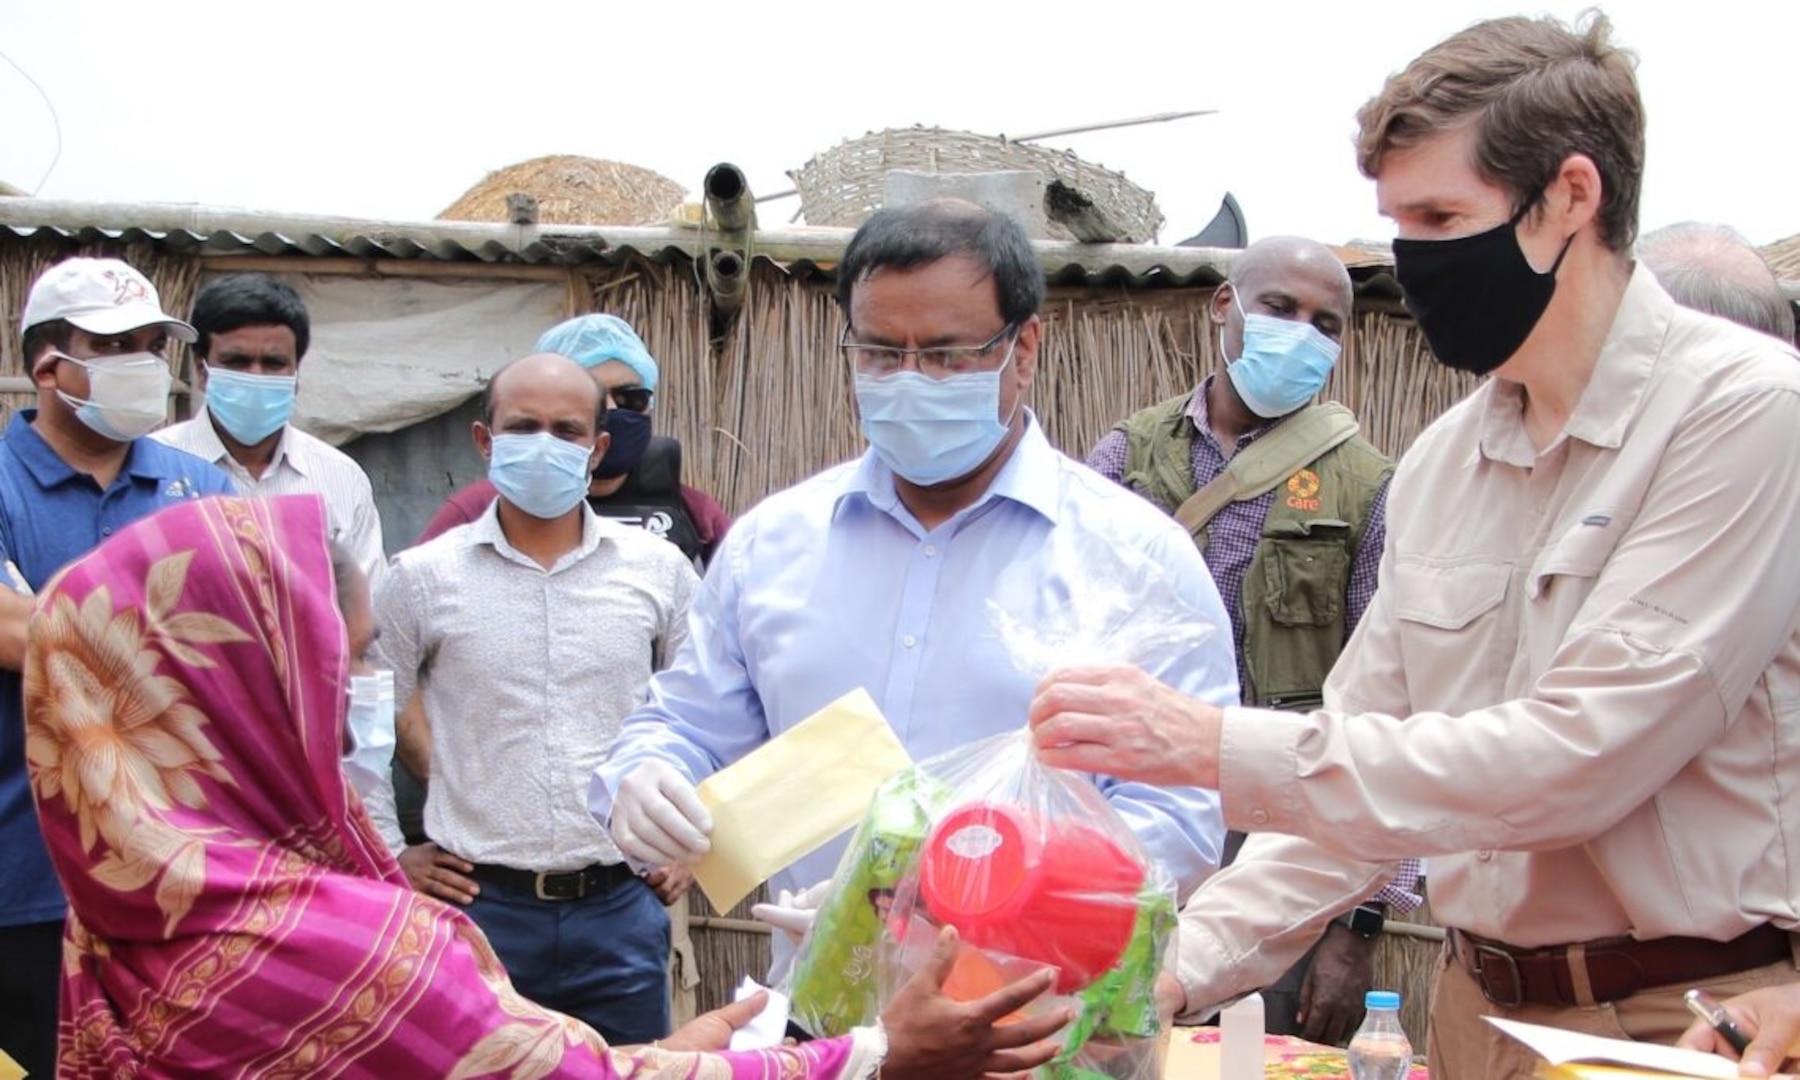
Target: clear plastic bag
<point>1030,864</point>
<point>1035,869</point>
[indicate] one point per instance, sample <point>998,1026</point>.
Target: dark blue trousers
<point>603,959</point>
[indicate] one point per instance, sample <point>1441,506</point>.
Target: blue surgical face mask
<point>1283,366</point>
<point>249,407</point>
<point>539,473</point>
<point>933,430</point>
<point>371,723</point>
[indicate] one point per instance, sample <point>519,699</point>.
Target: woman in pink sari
<point>233,912</point>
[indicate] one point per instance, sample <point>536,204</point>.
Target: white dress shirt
<point>302,465</point>
<point>526,674</point>
<point>833,585</point>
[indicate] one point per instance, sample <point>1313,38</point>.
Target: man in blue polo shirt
<point>73,471</point>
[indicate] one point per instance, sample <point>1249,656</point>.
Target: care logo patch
<point>1303,490</point>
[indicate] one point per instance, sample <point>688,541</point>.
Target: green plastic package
<point>1117,1032</point>
<point>835,983</point>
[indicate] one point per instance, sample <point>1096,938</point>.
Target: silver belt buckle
<point>580,886</point>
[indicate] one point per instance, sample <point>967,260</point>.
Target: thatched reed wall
<point>22,259</point>
<point>771,403</point>
<point>727,947</point>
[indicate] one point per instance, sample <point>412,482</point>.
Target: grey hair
<point>1712,268</point>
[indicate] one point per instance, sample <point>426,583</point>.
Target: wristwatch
<point>1364,920</point>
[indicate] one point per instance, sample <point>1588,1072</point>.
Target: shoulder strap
<point>1268,461</point>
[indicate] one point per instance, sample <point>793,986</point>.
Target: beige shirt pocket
<point>1561,580</point>
<point>1456,639</point>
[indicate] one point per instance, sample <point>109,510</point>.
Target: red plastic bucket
<point>1062,894</point>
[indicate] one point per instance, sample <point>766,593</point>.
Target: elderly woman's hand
<point>712,1031</point>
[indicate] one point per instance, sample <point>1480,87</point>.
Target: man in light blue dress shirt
<point>882,572</point>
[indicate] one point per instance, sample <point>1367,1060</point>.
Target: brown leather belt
<point>1616,968</point>
<point>570,885</point>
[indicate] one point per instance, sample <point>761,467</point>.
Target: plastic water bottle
<point>1379,1050</point>
<point>1241,1027</point>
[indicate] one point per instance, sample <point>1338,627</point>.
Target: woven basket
<point>844,185</point>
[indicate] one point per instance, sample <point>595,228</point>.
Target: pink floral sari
<point>232,911</point>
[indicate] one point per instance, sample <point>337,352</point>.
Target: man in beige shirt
<point>1577,689</point>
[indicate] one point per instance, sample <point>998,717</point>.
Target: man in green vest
<point>1285,500</point>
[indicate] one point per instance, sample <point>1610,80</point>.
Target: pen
<point>1701,1004</point>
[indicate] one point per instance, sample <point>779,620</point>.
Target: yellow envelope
<point>9,1069</point>
<point>791,795</point>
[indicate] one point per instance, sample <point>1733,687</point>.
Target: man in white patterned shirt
<point>253,332</point>
<point>530,633</point>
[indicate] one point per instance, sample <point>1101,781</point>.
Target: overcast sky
<point>392,109</point>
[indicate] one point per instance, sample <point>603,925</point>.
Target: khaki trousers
<point>1463,1046</point>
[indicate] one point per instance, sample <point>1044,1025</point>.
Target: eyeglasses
<point>934,363</point>
<point>632,398</point>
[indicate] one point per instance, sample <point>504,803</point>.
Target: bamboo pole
<point>225,262</point>
<point>720,922</point>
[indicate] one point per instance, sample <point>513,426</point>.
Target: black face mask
<point>1476,297</point>
<point>630,433</point>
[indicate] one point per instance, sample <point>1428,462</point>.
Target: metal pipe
<point>726,280</point>
<point>1108,125</point>
<point>728,198</point>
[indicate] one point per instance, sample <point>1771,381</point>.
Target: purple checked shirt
<point>1231,544</point>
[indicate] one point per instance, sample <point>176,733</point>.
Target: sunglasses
<point>633,398</point>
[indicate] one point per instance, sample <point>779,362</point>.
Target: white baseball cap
<point>101,296</point>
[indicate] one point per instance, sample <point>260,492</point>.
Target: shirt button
<point>1485,854</point>
<point>909,641</point>
<point>1259,817</point>
<point>930,550</point>
<point>107,531</point>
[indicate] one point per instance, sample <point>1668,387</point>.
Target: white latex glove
<point>792,912</point>
<point>657,818</point>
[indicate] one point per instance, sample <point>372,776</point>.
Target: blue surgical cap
<point>591,340</point>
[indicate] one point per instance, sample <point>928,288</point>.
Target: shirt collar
<point>1197,412</point>
<point>209,446</point>
<point>49,469</point>
<point>486,530</point>
<point>1622,374</point>
<point>1029,477</point>
<point>1614,391</point>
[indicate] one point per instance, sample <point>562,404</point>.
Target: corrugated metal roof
<point>222,231</point>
